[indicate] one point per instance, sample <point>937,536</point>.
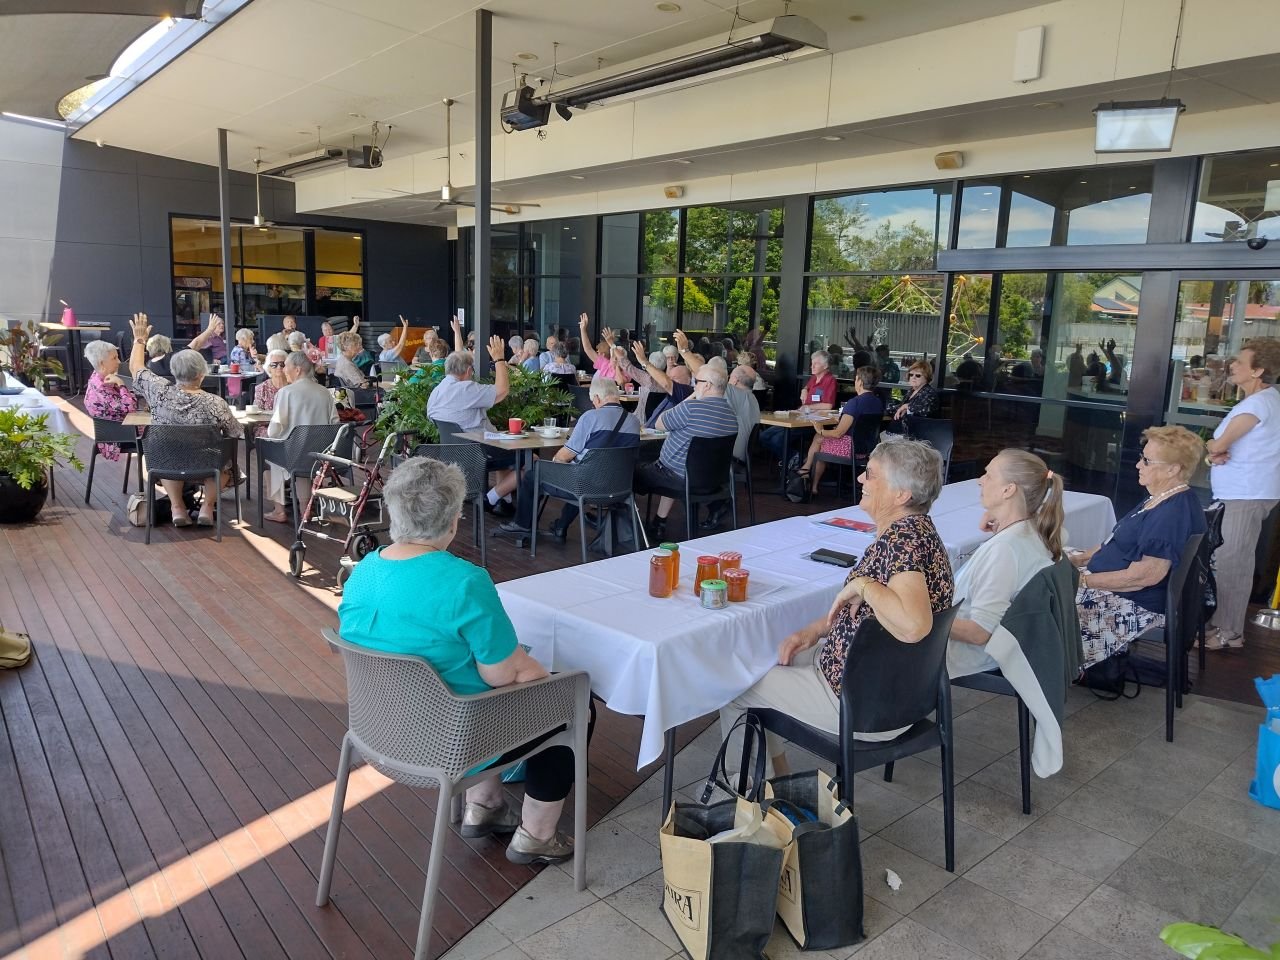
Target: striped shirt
<point>708,417</point>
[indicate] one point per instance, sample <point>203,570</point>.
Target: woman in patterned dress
<point>264,396</point>
<point>902,580</point>
<point>105,395</point>
<point>1124,579</point>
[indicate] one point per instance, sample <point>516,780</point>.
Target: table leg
<point>248,450</point>
<point>668,772</point>
<point>786,454</point>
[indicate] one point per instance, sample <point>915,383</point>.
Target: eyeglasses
<point>278,363</point>
<point>1148,462</point>
<point>700,380</point>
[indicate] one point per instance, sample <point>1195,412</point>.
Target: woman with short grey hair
<point>264,394</point>
<point>158,349</point>
<point>559,360</point>
<point>466,637</point>
<point>903,580</point>
<point>182,404</point>
<point>105,395</point>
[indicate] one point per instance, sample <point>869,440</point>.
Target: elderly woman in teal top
<point>464,634</point>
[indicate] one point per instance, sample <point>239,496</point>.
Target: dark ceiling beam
<point>178,9</point>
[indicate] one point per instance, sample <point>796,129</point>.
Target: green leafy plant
<point>404,408</point>
<point>532,398</point>
<point>28,449</point>
<point>1200,942</point>
<point>20,353</point>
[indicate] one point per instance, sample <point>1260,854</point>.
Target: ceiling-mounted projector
<point>520,112</point>
<point>367,157</point>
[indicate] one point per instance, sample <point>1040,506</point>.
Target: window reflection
<point>886,230</point>
<point>852,315</point>
<point>1239,198</point>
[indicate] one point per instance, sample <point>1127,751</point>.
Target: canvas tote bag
<point>15,649</point>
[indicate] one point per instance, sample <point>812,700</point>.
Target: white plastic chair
<point>406,722</point>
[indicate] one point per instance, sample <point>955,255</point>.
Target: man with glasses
<point>705,414</point>
<point>301,403</point>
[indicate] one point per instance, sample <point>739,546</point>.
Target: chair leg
<point>88,486</point>
<point>751,495</point>
<point>217,507</point>
<point>638,532</point>
<point>484,546</point>
<point>261,498</point>
<point>582,529</point>
<point>948,802</point>
<point>139,465</point>
<point>434,862</point>
<point>1024,754</point>
<point>733,503</point>
<point>128,462</point>
<point>151,507</point>
<point>335,823</point>
<point>888,772</point>
<point>1171,682</point>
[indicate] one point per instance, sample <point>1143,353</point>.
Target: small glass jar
<point>675,563</point>
<point>730,560</point>
<point>708,569</point>
<point>714,594</point>
<point>660,574</point>
<point>736,580</point>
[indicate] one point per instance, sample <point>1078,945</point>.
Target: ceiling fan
<point>259,221</point>
<point>447,199</point>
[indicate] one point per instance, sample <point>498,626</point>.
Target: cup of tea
<point>235,368</point>
<point>515,425</point>
<point>252,408</point>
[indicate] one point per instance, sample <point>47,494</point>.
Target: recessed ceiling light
<point>1133,188</point>
<point>856,18</point>
<point>683,162</point>
<point>988,193</point>
<point>526,56</point>
<point>1047,105</point>
<point>667,7</point>
<point>576,176</point>
<point>1026,176</point>
<point>357,116</point>
<point>1082,182</point>
<point>832,138</point>
<point>1274,164</point>
<point>566,229</point>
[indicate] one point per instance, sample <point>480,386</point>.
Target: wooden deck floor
<point>166,760</point>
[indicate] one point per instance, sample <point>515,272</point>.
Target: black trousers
<point>548,775</point>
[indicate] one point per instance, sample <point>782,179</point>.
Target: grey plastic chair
<point>407,723</point>
<point>939,434</point>
<point>126,438</point>
<point>469,458</point>
<point>603,477</point>
<point>296,452</point>
<point>187,454</point>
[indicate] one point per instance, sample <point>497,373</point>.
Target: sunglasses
<point>1148,462</point>
<point>915,376</point>
<point>278,363</point>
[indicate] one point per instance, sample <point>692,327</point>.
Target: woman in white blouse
<point>1022,503</point>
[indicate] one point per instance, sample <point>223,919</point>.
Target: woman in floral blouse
<point>106,396</point>
<point>902,580</point>
<point>264,397</point>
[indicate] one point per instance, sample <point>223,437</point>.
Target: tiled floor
<point>1134,833</point>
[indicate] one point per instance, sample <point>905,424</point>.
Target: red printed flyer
<point>844,523</point>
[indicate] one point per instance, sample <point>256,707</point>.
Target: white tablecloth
<point>671,661</point>
<point>35,402</point>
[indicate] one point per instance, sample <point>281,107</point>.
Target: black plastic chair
<point>993,681</point>
<point>186,454</point>
<point>742,471</point>
<point>865,434</point>
<point>449,431</point>
<point>708,477</point>
<point>1184,606</point>
<point>569,380</point>
<point>468,457</point>
<point>581,398</point>
<point>603,477</point>
<point>295,453</point>
<point>1212,541</point>
<point>887,684</point>
<point>939,434</point>
<point>126,438</point>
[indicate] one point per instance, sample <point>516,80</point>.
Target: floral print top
<point>925,402</point>
<point>264,396</point>
<point>172,405</point>
<point>909,543</point>
<point>106,400</point>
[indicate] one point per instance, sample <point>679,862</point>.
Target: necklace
<point>1161,497</point>
<point>1001,529</point>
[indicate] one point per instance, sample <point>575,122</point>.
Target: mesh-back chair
<point>186,454</point>
<point>603,477</point>
<point>865,434</point>
<point>1212,541</point>
<point>295,453</point>
<point>742,471</point>
<point>126,438</point>
<point>1184,605</point>
<point>581,398</point>
<point>448,431</point>
<point>406,722</point>
<point>939,434</point>
<point>385,368</point>
<point>887,684</point>
<point>566,379</point>
<point>708,477</point>
<point>994,681</point>
<point>469,458</point>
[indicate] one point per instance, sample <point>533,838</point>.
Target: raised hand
<point>638,349</point>
<point>497,349</point>
<point>141,328</point>
<point>214,322</point>
<point>607,335</point>
<point>682,340</point>
<point>403,321</point>
<point>584,321</point>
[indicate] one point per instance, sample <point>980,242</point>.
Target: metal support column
<point>224,219</point>
<point>484,185</point>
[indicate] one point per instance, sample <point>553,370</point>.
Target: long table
<point>671,661</point>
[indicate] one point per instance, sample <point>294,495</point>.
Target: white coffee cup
<point>549,432</point>
<point>252,408</point>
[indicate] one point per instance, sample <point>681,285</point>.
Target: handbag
<point>15,649</point>
<point>721,865</point>
<point>1265,787</point>
<point>1109,678</point>
<point>135,509</point>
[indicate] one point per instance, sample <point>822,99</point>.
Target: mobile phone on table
<point>833,557</point>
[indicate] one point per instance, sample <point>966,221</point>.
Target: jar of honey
<point>708,569</point>
<point>660,574</point>
<point>675,563</point>
<point>730,560</point>
<point>736,580</point>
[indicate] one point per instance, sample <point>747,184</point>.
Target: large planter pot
<point>18,505</point>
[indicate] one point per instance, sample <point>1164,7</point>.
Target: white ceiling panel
<point>415,16</point>
<point>409,74</point>
<point>236,83</point>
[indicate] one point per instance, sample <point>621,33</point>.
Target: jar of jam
<point>708,569</point>
<point>736,581</point>
<point>730,560</point>
<point>714,594</point>
<point>660,574</point>
<point>675,563</point>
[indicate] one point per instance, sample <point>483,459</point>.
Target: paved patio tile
<point>1046,793</point>
<point>546,899</point>
<point>1062,943</point>
<point>1123,923</point>
<point>909,940</point>
<point>921,832</point>
<point>1032,881</point>
<point>920,878</point>
<point>593,933</point>
<point>912,778</point>
<point>1074,845</point>
<point>988,809</point>
<point>1235,816</point>
<point>1115,812</point>
<point>982,921</point>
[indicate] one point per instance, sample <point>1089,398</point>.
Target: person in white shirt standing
<point>301,403</point>
<point>1245,456</point>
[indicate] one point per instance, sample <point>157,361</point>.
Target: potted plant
<point>20,354</point>
<point>27,451</point>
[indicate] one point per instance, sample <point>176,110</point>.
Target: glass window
<point>620,243</point>
<point>1239,197</point>
<point>339,252</point>
<point>273,247</point>
<point>979,216</point>
<point>885,230</point>
<point>658,307</point>
<point>661,252</point>
<point>556,246</point>
<point>859,313</point>
<point>618,297</point>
